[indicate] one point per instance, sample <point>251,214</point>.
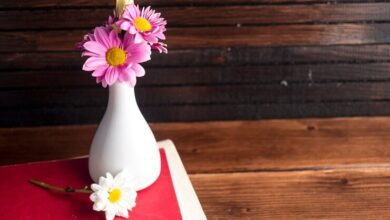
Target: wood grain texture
<point>281,144</point>
<point>228,56</point>
<point>52,115</point>
<point>202,37</point>
<point>176,76</point>
<point>332,194</point>
<point>248,58</point>
<point>7,4</point>
<point>202,94</point>
<point>286,35</point>
<point>203,16</point>
<point>228,146</point>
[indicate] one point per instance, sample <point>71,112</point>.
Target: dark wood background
<point>228,60</point>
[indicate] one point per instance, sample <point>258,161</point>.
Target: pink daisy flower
<point>112,59</point>
<point>145,24</point>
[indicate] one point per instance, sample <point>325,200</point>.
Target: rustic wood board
<point>361,193</point>
<point>220,36</point>
<point>59,18</point>
<point>250,59</point>
<point>209,147</point>
<point>12,4</point>
<point>231,56</point>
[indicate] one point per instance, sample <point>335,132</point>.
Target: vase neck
<point>121,96</point>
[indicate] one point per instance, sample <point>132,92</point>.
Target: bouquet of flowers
<point>115,52</point>
<point>116,49</point>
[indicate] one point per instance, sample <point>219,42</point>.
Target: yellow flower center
<point>114,195</point>
<point>142,24</point>
<point>116,56</point>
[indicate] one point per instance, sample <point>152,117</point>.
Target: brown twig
<point>46,186</point>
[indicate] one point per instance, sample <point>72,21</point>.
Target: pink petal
<point>128,39</point>
<point>111,75</point>
<point>101,36</point>
<point>95,47</point>
<point>93,63</point>
<point>138,38</point>
<point>126,14</point>
<point>123,76</point>
<point>137,11</point>
<point>132,30</point>
<point>161,35</point>
<point>100,71</point>
<point>133,80</point>
<point>130,12</point>
<point>139,52</point>
<point>114,39</point>
<point>89,54</point>
<point>151,38</point>
<point>138,69</point>
<point>104,83</point>
<point>125,25</point>
<point>129,74</point>
<point>129,71</point>
<point>110,20</point>
<point>161,47</point>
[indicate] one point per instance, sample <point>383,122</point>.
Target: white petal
<point>131,205</point>
<point>110,215</point>
<point>96,187</point>
<point>93,197</point>
<point>98,206</point>
<point>102,179</point>
<point>102,194</point>
<point>123,213</point>
<point>106,182</point>
<point>109,178</point>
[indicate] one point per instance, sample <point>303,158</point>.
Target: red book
<point>171,197</point>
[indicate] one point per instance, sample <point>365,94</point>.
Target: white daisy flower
<point>114,195</point>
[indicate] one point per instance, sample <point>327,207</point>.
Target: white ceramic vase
<point>124,141</point>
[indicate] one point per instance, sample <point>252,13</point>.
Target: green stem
<point>44,185</point>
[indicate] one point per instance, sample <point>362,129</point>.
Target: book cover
<point>171,197</point>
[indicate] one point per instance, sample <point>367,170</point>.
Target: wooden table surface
<point>275,169</point>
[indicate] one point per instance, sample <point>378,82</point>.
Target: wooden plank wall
<point>231,59</point>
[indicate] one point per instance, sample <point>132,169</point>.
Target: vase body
<point>124,141</point>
